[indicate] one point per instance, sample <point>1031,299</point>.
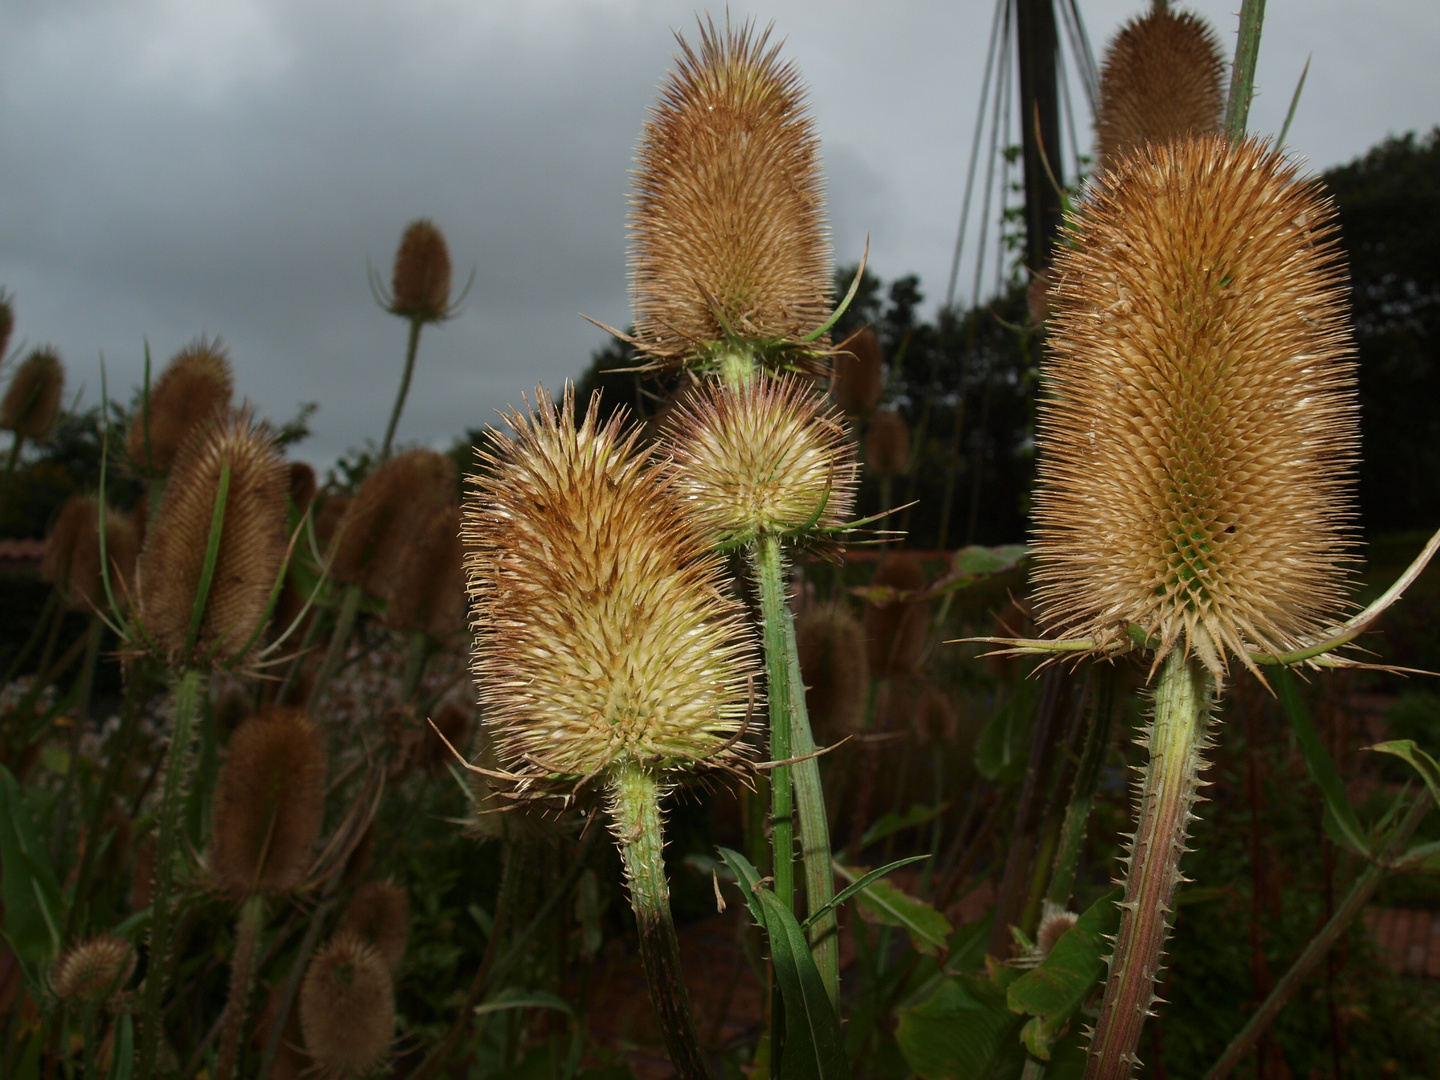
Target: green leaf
<point>1340,821</point>
<point>968,946</point>
<point>1003,749</point>
<point>124,1047</point>
<point>882,903</point>
<point>976,560</point>
<point>524,999</point>
<point>748,878</point>
<point>853,888</point>
<point>1422,762</point>
<point>1424,858</point>
<point>963,1031</point>
<point>814,1047</point>
<point>34,910</point>
<point>890,823</point>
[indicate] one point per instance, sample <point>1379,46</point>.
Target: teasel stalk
<point>605,649</point>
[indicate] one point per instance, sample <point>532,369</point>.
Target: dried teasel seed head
<point>727,216</point>
<point>252,542</point>
<point>194,389</point>
<point>94,971</point>
<point>381,520</point>
<point>1197,447</point>
<point>1052,928</point>
<point>31,406</point>
<point>887,444</point>
<point>769,456</point>
<point>72,554</point>
<point>859,374</point>
<point>347,1007</point>
<point>379,913</point>
<point>1162,79</point>
<point>835,669</point>
<point>602,634</point>
<point>269,801</point>
<point>7,321</point>
<point>895,630</point>
<point>429,583</point>
<point>420,284</point>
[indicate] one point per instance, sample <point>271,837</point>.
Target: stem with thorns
<point>1176,737</point>
<point>242,978</point>
<point>410,350</point>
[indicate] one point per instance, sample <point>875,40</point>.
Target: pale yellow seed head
<point>94,971</point>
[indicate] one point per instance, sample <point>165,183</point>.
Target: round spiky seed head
<point>269,801</point>
<point>602,634</point>
<point>1052,928</point>
<point>834,667</point>
<point>420,284</point>
<point>727,218</point>
<point>895,630</point>
<point>379,913</point>
<point>429,583</point>
<point>1197,445</point>
<point>381,520</point>
<point>769,456</point>
<point>72,555</point>
<point>194,389</point>
<point>859,374</point>
<point>31,406</point>
<point>887,444</point>
<point>1161,80</point>
<point>93,972</point>
<point>252,542</point>
<point>347,1007</point>
<point>7,321</point>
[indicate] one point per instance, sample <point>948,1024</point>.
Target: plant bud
<point>429,591</point>
<point>1052,928</point>
<point>347,1007</point>
<point>835,669</point>
<point>94,972</point>
<point>895,630</point>
<point>887,444</point>
<point>380,521</point>
<point>379,914</point>
<point>859,375</point>
<point>31,406</point>
<point>269,802</point>
<point>194,389</point>
<point>420,285</point>
<point>72,555</point>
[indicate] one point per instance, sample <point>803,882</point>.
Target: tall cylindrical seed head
<point>769,456</point>
<point>72,554</point>
<point>194,389</point>
<point>347,1007</point>
<point>429,583</point>
<point>420,284</point>
<point>93,972</point>
<point>602,634</point>
<point>1162,79</point>
<point>895,630</point>
<point>381,520</point>
<point>1196,448</point>
<point>379,913</point>
<point>834,667</point>
<point>31,406</point>
<point>859,374</point>
<point>728,205</point>
<point>887,444</point>
<point>252,542</point>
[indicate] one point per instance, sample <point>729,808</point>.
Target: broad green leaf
<point>855,886</point>
<point>968,945</point>
<point>890,823</point>
<point>882,903</point>
<point>814,1047</point>
<point>34,910</point>
<point>963,1031</point>
<point>1340,821</point>
<point>1422,762</point>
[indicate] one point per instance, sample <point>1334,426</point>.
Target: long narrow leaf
<point>883,903</point>
<point>1340,820</point>
<point>1423,763</point>
<point>814,1047</point>
<point>850,890</point>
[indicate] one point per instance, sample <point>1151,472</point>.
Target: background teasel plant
<point>195,388</point>
<point>31,405</point>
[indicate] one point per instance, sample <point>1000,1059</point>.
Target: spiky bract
<point>831,646</point>
<point>727,216</point>
<point>382,519</point>
<point>31,406</point>
<point>72,554</point>
<point>420,283</point>
<point>194,389</point>
<point>602,634</point>
<point>347,1007</point>
<point>769,456</point>
<point>1162,79</point>
<point>252,542</point>
<point>94,971</point>
<point>1197,444</point>
<point>379,913</point>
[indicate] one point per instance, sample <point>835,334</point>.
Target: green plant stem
<point>1242,69</point>
<point>410,349</point>
<point>189,692</point>
<point>766,564</point>
<point>1082,794</point>
<point>339,636</point>
<point>1177,736</point>
<point>635,806</point>
<point>242,978</point>
<point>1317,948</point>
<point>89,1013</point>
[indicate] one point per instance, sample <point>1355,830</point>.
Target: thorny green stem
<point>635,807</point>
<point>1242,70</point>
<point>1176,736</point>
<point>89,1013</point>
<point>410,349</point>
<point>242,978</point>
<point>339,636</point>
<point>1087,778</point>
<point>769,573</point>
<point>189,690</point>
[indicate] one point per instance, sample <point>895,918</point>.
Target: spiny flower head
<point>420,283</point>
<point>195,388</point>
<point>31,406</point>
<point>72,554</point>
<point>1162,79</point>
<point>831,646</point>
<point>1198,442</point>
<point>7,321</point>
<point>602,634</point>
<point>887,444</point>
<point>379,523</point>
<point>347,1007</point>
<point>768,456</point>
<point>429,591</point>
<point>94,971</point>
<point>859,374</point>
<point>727,217</point>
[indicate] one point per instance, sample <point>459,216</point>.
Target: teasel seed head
<point>31,406</point>
<point>347,1007</point>
<point>1162,79</point>
<point>7,321</point>
<point>727,217</point>
<point>269,801</point>
<point>835,669</point>
<point>429,581</point>
<point>895,630</point>
<point>379,913</point>
<point>1052,928</point>
<point>379,523</point>
<point>194,389</point>
<point>302,485</point>
<point>768,456</point>
<point>887,444</point>
<point>602,632</point>
<point>94,971</point>
<point>72,555</point>
<point>252,542</point>
<point>420,283</point>
<point>1197,446</point>
<point>859,376</point>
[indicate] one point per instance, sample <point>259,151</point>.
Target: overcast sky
<point>230,166</point>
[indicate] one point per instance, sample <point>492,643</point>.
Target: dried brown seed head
<point>1162,79</point>
<point>602,634</point>
<point>859,374</point>
<point>835,669</point>
<point>194,389</point>
<point>887,444</point>
<point>379,913</point>
<point>895,631</point>
<point>728,206</point>
<point>770,456</point>
<point>420,284</point>
<point>31,406</point>
<point>252,542</point>
<point>7,321</point>
<point>302,485</point>
<point>1197,445</point>
<point>347,1007</point>
<point>269,801</point>
<point>381,520</point>
<point>429,590</point>
<point>72,555</point>
<point>93,972</point>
